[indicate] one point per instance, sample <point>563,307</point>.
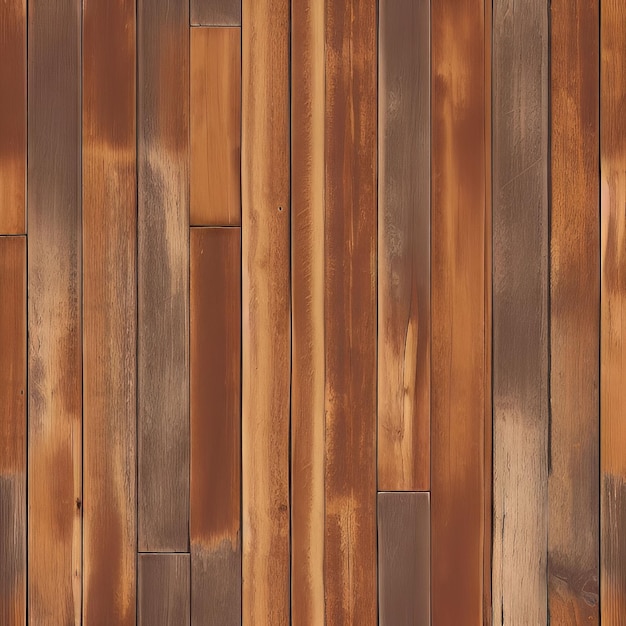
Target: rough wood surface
<point>216,12</point>
<point>404,246</point>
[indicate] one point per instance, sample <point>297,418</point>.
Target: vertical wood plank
<point>458,308</point>
<point>216,12</point>
<point>350,313</point>
<point>163,275</point>
<point>215,285</point>
<point>13,431</point>
<point>266,310</point>
<point>13,117</point>
<point>520,303</point>
<point>163,583</point>
<point>109,313</point>
<point>404,246</point>
<point>573,529</point>
<point>54,312</point>
<point>613,320</point>
<point>215,158</point>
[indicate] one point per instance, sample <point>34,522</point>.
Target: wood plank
<point>574,504</point>
<point>266,310</point>
<point>109,313</point>
<point>520,311</point>
<point>404,558</point>
<point>216,12</point>
<point>613,320</point>
<point>54,313</point>
<point>13,431</point>
<point>13,118</point>
<point>215,285</point>
<point>163,275</point>
<point>163,582</point>
<point>307,296</point>
<point>215,158</point>
<point>404,246</point>
<point>459,256</point>
<point>350,312</point>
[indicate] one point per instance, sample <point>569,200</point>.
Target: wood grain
<point>109,313</point>
<point>215,284</point>
<point>215,158</point>
<point>216,12</point>
<point>459,257</point>
<point>54,313</point>
<point>520,311</point>
<point>266,310</point>
<point>404,246</point>
<point>163,583</point>
<point>404,558</point>
<point>13,117</point>
<point>13,431</point>
<point>350,313</point>
<point>163,275</point>
<point>613,320</point>
<point>573,528</point>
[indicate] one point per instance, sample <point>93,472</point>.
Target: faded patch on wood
<point>216,12</point>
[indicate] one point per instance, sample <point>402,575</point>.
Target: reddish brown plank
<point>215,285</point>
<point>215,158</point>
<point>13,431</point>
<point>216,12</point>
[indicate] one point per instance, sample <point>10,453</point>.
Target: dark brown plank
<point>163,583</point>
<point>574,504</point>
<point>520,311</point>
<point>215,285</point>
<point>404,246</point>
<point>163,275</point>
<point>54,313</point>
<point>216,12</point>
<point>215,158</point>
<point>13,431</point>
<point>350,312</point>
<point>404,558</point>
<point>13,117</point>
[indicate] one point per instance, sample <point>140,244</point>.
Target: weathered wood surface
<point>216,12</point>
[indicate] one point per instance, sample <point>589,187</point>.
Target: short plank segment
<point>54,313</point>
<point>13,431</point>
<point>216,12</point>
<point>163,588</point>
<point>350,312</point>
<point>215,285</point>
<point>13,117</point>
<point>404,558</point>
<point>404,246</point>
<point>266,310</point>
<point>574,504</point>
<point>613,319</point>
<point>163,275</point>
<point>215,198</point>
<point>520,311</point>
<point>109,313</point>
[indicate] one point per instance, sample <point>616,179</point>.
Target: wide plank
<point>216,12</point>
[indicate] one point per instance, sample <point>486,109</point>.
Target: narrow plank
<point>54,313</point>
<point>215,285</point>
<point>350,312</point>
<point>573,496</point>
<point>404,246</point>
<point>163,583</point>
<point>163,275</point>
<point>612,321</point>
<point>215,158</point>
<point>13,118</point>
<point>458,311</point>
<point>109,313</point>
<point>307,296</point>
<point>266,310</point>
<point>216,12</point>
<point>520,311</point>
<point>404,558</point>
<point>13,431</point>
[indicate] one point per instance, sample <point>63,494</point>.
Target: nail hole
<point>280,208</point>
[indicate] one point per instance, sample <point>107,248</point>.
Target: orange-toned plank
<point>215,285</point>
<point>13,431</point>
<point>216,12</point>
<point>215,127</point>
<point>404,246</point>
